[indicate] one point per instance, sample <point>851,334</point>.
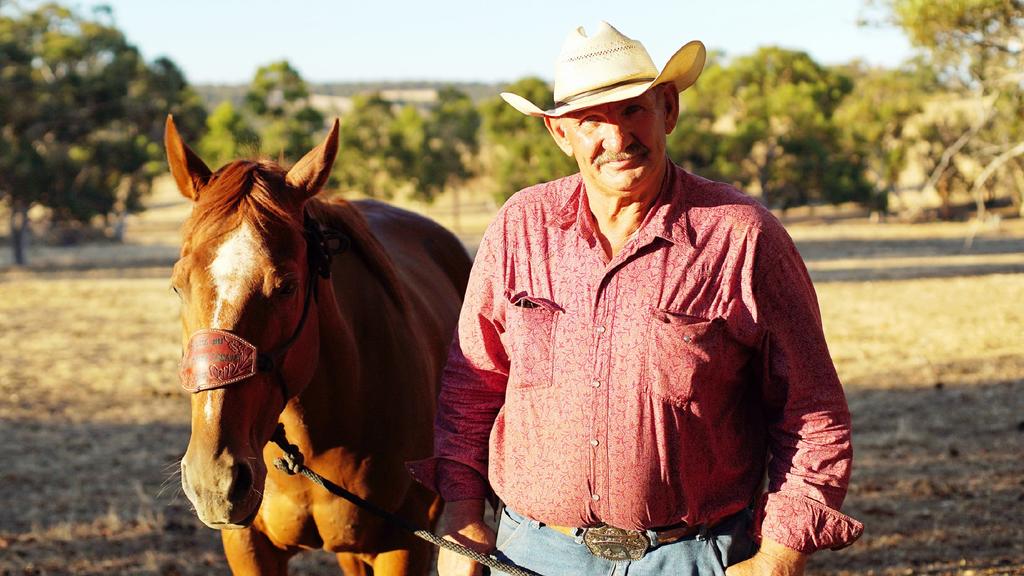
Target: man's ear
<point>556,127</point>
<point>669,100</point>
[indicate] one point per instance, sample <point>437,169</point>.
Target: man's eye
<point>635,108</point>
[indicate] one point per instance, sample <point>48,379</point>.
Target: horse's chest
<point>335,526</point>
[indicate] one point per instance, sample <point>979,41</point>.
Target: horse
<point>344,352</point>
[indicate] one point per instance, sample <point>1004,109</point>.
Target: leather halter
<point>219,358</point>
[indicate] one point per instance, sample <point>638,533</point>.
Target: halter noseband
<point>218,358</point>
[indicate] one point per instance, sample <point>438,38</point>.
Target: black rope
<point>292,464</point>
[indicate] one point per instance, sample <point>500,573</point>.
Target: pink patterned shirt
<point>650,389</point>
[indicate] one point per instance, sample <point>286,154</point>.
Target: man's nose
<point>614,137</point>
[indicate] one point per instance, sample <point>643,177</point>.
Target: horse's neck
<point>362,333</point>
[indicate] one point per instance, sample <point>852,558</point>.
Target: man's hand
<point>463,522</point>
<point>773,559</point>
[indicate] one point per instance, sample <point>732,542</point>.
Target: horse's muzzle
<point>224,496</point>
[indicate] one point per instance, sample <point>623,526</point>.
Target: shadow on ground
<point>104,499</point>
<point>938,481</point>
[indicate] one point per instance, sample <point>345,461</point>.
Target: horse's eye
<point>286,288</point>
<point>176,291</point>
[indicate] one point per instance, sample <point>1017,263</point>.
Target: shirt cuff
<point>451,480</point>
<point>803,524</point>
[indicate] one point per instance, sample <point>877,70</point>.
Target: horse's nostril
<point>241,483</point>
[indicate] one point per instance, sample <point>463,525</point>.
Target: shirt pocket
<point>680,355</point>
<point>531,326</point>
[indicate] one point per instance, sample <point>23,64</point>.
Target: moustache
<point>634,150</point>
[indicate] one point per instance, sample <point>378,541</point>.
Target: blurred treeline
<point>81,119</point>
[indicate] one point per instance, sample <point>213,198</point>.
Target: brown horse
<point>345,354</point>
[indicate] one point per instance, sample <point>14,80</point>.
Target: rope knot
<point>292,463</point>
<point>289,464</point>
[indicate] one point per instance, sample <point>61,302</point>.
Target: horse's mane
<point>244,191</point>
<point>240,191</point>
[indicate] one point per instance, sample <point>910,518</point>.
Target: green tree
<point>976,47</point>
<point>228,135</point>
<point>375,151</point>
<point>448,144</point>
<point>384,148</point>
<point>129,150</point>
<point>873,120</point>
<point>696,144</point>
<point>773,112</point>
<point>278,101</point>
<point>81,115</point>
<point>521,152</point>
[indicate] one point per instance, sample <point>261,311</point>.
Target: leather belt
<point>613,543</point>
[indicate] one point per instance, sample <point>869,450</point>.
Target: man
<point>639,347</point>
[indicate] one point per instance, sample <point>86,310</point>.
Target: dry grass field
<point>925,322</point>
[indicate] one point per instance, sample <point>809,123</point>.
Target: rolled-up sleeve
<point>809,433</point>
<point>473,382</point>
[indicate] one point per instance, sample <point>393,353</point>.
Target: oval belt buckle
<point>616,544</point>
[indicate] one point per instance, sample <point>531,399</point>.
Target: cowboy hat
<point>610,67</point>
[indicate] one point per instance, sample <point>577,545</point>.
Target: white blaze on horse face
<point>234,273</point>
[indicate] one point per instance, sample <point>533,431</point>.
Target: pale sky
<point>224,41</point>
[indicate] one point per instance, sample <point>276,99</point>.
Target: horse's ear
<point>188,170</point>
<point>310,173</point>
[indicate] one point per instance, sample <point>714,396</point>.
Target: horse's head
<point>246,278</point>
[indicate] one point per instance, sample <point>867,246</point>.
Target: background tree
<point>375,154</point>
<point>278,101</point>
<point>81,116</point>
<point>384,149</point>
<point>521,150</point>
<point>449,143</point>
<point>228,136</point>
<point>448,149</point>
<point>773,112</point>
<point>696,144</point>
<point>977,47</point>
<point>128,151</point>
<point>873,121</point>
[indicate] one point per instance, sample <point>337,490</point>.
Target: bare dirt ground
<point>925,322</point>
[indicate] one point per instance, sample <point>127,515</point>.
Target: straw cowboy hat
<point>609,67</point>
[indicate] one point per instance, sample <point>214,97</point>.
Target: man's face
<point>620,146</point>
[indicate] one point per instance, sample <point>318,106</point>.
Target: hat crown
<point>607,58</point>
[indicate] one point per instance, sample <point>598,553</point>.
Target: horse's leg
<point>353,565</point>
<point>413,561</point>
<point>250,553</point>
<point>410,556</point>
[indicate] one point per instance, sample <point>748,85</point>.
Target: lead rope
<point>292,464</point>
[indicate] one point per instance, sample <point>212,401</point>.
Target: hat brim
<point>682,69</point>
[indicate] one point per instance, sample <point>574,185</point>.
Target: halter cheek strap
<point>218,358</point>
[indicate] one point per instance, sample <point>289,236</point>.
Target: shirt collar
<point>668,218</point>
<point>574,212</point>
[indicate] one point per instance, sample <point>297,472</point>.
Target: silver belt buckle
<point>616,544</point>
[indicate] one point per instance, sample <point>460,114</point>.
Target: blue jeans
<point>529,544</point>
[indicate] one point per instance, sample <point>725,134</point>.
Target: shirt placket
<point>599,404</point>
